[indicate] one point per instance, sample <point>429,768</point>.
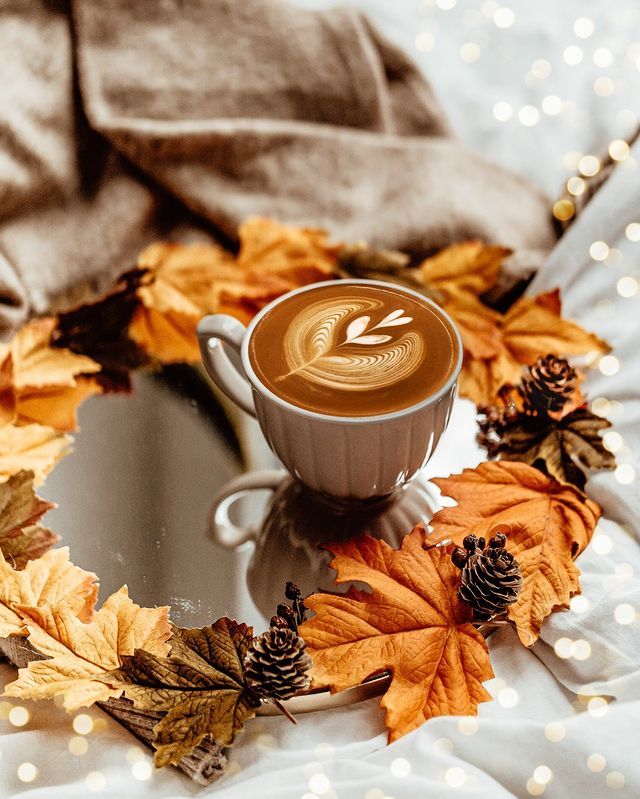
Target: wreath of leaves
<point>194,679</point>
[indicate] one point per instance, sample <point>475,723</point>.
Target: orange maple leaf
<point>412,624</point>
<point>497,346</point>
<point>468,266</point>
<point>40,383</point>
<point>549,525</point>
<point>186,281</point>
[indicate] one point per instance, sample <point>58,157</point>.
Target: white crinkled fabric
<point>541,723</point>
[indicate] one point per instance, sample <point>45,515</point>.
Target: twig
<point>284,711</point>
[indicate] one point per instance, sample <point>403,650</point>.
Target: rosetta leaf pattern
<point>316,349</point>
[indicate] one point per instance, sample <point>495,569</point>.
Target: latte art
<point>353,349</point>
<point>339,345</point>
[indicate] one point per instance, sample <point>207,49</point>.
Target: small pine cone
<point>490,579</point>
<point>548,384</point>
<point>277,665</point>
<point>493,422</point>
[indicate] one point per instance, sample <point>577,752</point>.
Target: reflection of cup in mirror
<point>288,542</point>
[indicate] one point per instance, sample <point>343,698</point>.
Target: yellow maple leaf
<point>470,266</point>
<point>40,383</point>
<point>549,525</point>
<point>81,652</point>
<point>31,447</point>
<point>186,281</point>
<point>411,624</point>
<point>50,579</point>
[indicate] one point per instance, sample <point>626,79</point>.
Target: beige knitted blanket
<point>122,121</point>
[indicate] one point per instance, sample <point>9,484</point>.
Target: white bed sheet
<point>342,753</point>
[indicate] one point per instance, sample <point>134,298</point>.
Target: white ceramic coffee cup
<point>348,459</point>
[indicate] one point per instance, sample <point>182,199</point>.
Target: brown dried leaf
<point>412,624</point>
<point>32,447</point>
<point>49,580</point>
<point>21,538</point>
<point>80,653</point>
<point>200,686</point>
<point>550,524</point>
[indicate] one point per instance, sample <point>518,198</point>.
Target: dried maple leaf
<point>558,446</point>
<point>531,326</point>
<point>469,266</point>
<point>33,447</point>
<point>412,624</point>
<point>183,282</point>
<point>22,538</point>
<point>80,653</point>
<point>99,329</point>
<point>200,686</point>
<point>550,526</point>
<point>41,383</point>
<point>48,580</point>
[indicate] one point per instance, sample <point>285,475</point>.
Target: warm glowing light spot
<point>400,767</point>
<point>534,787</point>
<point>541,68</point>
<point>581,649</point>
<point>579,604</point>
<point>571,159</point>
<point>576,185</point>
<point>95,780</point>
<point>609,365</point>
<point>19,716</point>
<point>599,250</point>
<point>555,731</point>
<point>141,770</point>
<point>627,286</point>
<point>596,762</point>
<point>552,104</point>
<point>625,614</point>
<point>563,647</point>
<point>542,774</point>
<point>502,111</point>
<point>455,777</point>
<point>82,724</point>
<point>27,772</point>
<point>468,725</point>
<point>470,52</point>
<point>615,780</point>
<point>508,697</point>
<point>604,86</point>
<point>589,165</point>
<point>529,115</point>
<point>602,57</point>
<point>602,544</point>
<point>563,210</point>
<point>443,746</point>
<point>78,745</point>
<point>612,440</point>
<point>632,231</point>
<point>619,150</point>
<point>572,55</point>
<point>425,41</point>
<point>583,27</point>
<point>504,17</point>
<point>319,783</point>
<point>597,706</point>
<point>625,474</point>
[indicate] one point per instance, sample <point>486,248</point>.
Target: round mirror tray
<point>134,498</point>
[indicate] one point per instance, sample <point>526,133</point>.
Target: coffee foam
<point>353,349</point>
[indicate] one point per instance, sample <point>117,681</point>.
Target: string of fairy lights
<point>616,63</point>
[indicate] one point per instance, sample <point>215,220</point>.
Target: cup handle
<point>221,529</point>
<point>212,331</point>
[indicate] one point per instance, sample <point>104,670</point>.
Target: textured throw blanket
<point>121,122</point>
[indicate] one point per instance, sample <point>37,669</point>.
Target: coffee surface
<point>353,350</point>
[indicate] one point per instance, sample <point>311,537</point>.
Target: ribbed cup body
<point>354,460</point>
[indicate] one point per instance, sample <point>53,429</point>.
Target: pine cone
<point>491,578</point>
<point>549,384</point>
<point>493,421</point>
<point>277,665</point>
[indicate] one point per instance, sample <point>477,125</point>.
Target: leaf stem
<point>284,711</point>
